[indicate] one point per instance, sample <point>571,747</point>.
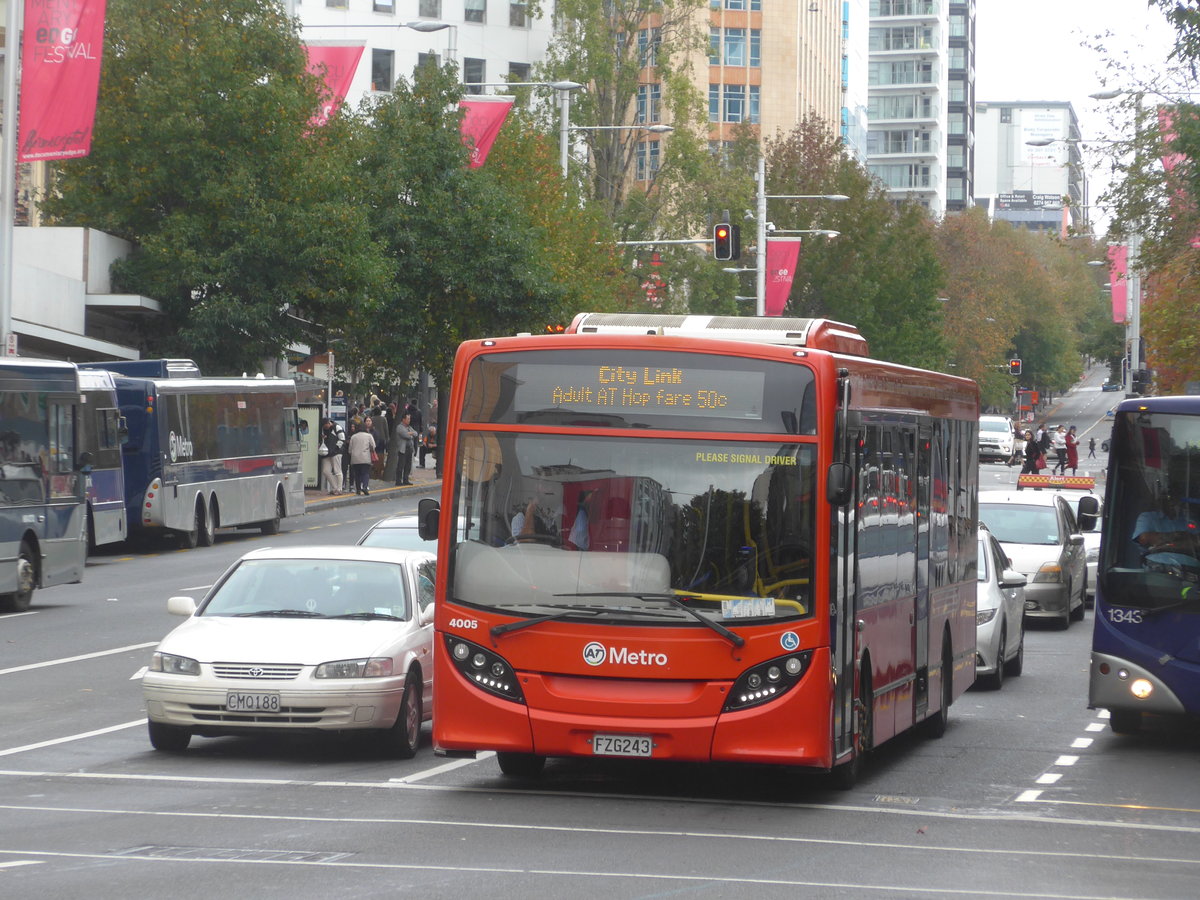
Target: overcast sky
<point>1033,50</point>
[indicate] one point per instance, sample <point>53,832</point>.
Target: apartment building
<point>921,100</point>
<point>1029,168</point>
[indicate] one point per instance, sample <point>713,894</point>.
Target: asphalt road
<point>1028,795</point>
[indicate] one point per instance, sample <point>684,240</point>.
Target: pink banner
<point>481,123</point>
<point>781,270</point>
<point>336,63</point>
<point>1118,271</point>
<point>60,77</point>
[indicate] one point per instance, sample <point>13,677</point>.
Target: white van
<point>995,437</point>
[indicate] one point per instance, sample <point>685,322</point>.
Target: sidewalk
<point>423,480</point>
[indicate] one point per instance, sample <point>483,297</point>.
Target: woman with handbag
<point>1035,459</point>
<point>333,439</point>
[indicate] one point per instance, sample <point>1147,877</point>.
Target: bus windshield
<point>645,531</point>
<point>1152,537</point>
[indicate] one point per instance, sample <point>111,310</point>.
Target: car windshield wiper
<point>736,639</point>
<point>281,613</point>
<point>368,615</point>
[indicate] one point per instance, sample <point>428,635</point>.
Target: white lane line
<point>1028,796</point>
<point>139,674</point>
<point>1081,743</point>
<point>71,659</point>
<point>196,587</point>
<point>445,767</point>
<point>1066,760</point>
<point>72,737</point>
<point>1049,778</point>
<point>1102,714</point>
<point>32,612</point>
<point>1095,726</point>
<point>21,862</point>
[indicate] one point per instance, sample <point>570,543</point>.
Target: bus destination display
<point>667,390</point>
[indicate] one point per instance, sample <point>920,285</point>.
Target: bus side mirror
<point>1089,509</point>
<point>839,484</point>
<point>428,514</point>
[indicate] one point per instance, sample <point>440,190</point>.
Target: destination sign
<point>621,389</point>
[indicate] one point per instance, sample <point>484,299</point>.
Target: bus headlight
<point>486,670</point>
<point>1141,688</point>
<point>767,681</point>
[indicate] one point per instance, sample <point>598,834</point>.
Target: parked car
<point>1110,386</point>
<point>1104,445</point>
<point>999,615</point>
<point>995,438</point>
<point>1039,532</point>
<point>300,639</point>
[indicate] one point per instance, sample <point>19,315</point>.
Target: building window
<point>518,71</point>
<point>431,9</point>
<point>337,4</point>
<point>647,157</point>
<point>518,14</point>
<point>428,59</point>
<point>956,155</point>
<point>734,43</point>
<point>649,100</point>
<point>714,103</point>
<point>958,25</point>
<point>958,57</point>
<point>755,48</point>
<point>955,189</point>
<point>385,6</point>
<point>752,5</point>
<point>474,71</point>
<point>735,103</point>
<point>735,46</point>
<point>957,123</point>
<point>382,62</point>
<point>648,43</point>
<point>958,90</point>
<point>909,37</point>
<point>754,95</point>
<point>475,11</point>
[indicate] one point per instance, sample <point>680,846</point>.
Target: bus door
<point>843,620</point>
<point>921,617</point>
<point>64,539</point>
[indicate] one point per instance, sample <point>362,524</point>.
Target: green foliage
<point>202,157</point>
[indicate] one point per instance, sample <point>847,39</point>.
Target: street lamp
<point>564,88</point>
<point>425,26</point>
<point>760,253</point>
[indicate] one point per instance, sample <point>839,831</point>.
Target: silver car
<point>300,639</point>
<point>999,615</point>
<point>1039,532</point>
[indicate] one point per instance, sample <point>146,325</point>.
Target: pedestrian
<point>1058,441</point>
<point>347,431</point>
<point>1035,459</point>
<point>1072,452</point>
<point>405,435</point>
<point>1091,448</point>
<point>415,422</point>
<point>428,444</point>
<point>362,447</point>
<point>333,440</point>
<point>1018,446</point>
<point>380,448</point>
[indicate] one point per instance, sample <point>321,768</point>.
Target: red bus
<point>701,538</point>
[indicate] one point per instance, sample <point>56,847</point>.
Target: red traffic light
<point>1014,367</point>
<point>727,244</point>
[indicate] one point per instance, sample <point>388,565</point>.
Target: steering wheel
<point>1189,571</point>
<point>534,538</point>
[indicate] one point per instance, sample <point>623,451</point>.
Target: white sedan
<point>300,639</point>
<point>999,615</point>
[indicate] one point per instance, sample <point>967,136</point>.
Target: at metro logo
<point>595,654</point>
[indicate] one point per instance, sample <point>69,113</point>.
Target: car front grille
<point>257,671</point>
<point>291,715</point>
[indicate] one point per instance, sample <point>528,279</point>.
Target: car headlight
<point>1049,572</point>
<point>373,667</point>
<point>983,616</point>
<point>173,665</point>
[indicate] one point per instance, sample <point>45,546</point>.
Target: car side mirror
<point>839,484</point>
<point>1010,578</point>
<point>1089,510</point>
<point>428,516</point>
<point>181,606</point>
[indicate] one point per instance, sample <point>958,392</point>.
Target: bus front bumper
<point>1116,683</point>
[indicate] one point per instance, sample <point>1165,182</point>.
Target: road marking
<point>1049,778</point>
<point>1095,726</point>
<point>1066,760</point>
<point>21,862</point>
<point>32,612</point>
<point>71,659</point>
<point>1081,743</point>
<point>1028,796</point>
<point>72,737</point>
<point>444,767</point>
<point>139,674</point>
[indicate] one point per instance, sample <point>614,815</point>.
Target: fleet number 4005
<point>464,623</point>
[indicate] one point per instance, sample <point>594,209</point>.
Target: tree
<point>203,158</point>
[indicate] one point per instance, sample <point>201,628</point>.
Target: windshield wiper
<point>284,614</point>
<point>498,630</point>
<point>368,615</point>
<point>736,639</point>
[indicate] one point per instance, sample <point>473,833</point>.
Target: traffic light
<point>1014,367</point>
<point>727,241</point>
<point>1140,382</point>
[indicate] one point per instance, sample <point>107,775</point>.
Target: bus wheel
<point>845,776</point>
<point>271,526</point>
<point>935,725</point>
<point>1125,721</point>
<point>188,539</point>
<point>22,597</point>
<point>521,765</point>
<point>206,525</point>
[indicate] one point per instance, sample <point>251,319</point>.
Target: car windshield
<point>621,528</point>
<point>311,588</point>
<point>1151,543</point>
<point>396,538</point>
<point>1014,523</point>
<point>1001,427</point>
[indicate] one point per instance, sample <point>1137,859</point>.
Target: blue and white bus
<point>1146,638</point>
<point>208,453</point>
<point>43,535</point>
<point>101,431</point>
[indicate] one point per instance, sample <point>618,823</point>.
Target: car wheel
<point>271,526</point>
<point>521,765</point>
<point>996,680</point>
<point>403,738</point>
<point>20,599</point>
<point>935,726</point>
<point>1014,666</point>
<point>1125,721</point>
<point>168,738</point>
